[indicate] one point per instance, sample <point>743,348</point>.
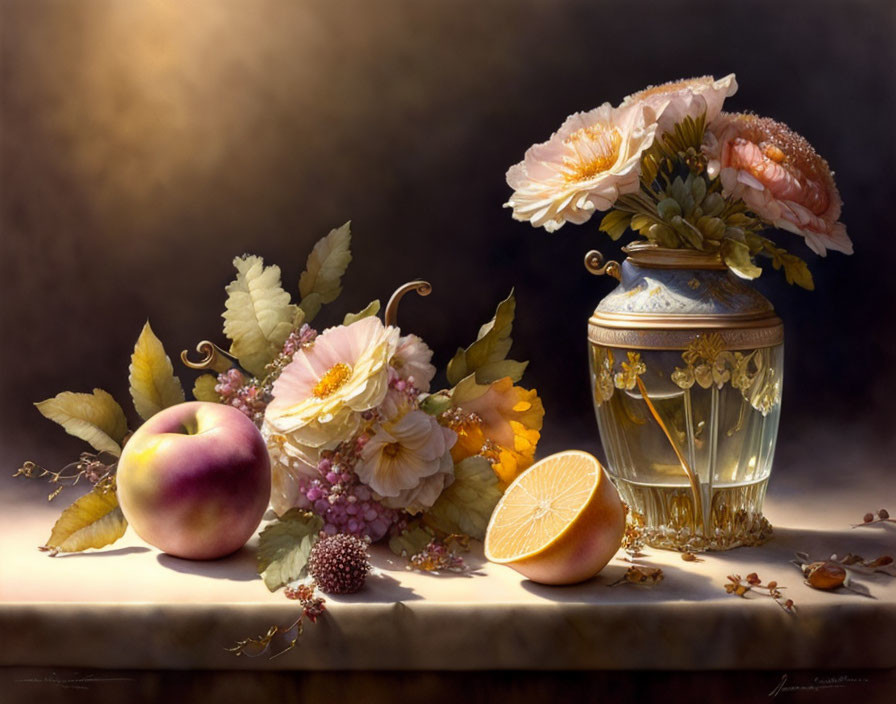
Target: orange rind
<point>559,522</point>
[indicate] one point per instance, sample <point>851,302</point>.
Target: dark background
<point>145,144</point>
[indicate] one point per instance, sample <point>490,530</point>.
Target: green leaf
<point>372,309</point>
<point>92,521</point>
<point>687,232</point>
<point>467,504</point>
<point>698,189</point>
<point>493,371</point>
<point>284,547</point>
<point>615,223</point>
<point>467,390</point>
<point>667,208</point>
<point>712,228</point>
<point>492,344</point>
<point>411,541</point>
<point>436,404</point>
<point>796,271</point>
<point>204,389</point>
<point>95,418</point>
<point>321,281</point>
<point>713,205</point>
<point>736,256</point>
<point>151,376</point>
<point>258,316</point>
<point>663,235</point>
<point>457,367</point>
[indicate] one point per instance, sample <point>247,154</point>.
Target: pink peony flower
<point>319,397</point>
<point>584,167</point>
<point>779,176</point>
<point>689,97</point>
<point>412,362</point>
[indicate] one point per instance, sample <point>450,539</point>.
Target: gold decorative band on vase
<point>657,333</point>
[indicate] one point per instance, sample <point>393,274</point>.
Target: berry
<point>339,563</point>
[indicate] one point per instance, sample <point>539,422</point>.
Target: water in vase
<point>689,439</point>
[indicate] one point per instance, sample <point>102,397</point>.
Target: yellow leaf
<point>321,281</point>
<point>258,316</point>
<point>372,309</point>
<point>152,380</point>
<point>95,418</point>
<point>93,521</point>
<point>615,223</point>
<point>204,389</point>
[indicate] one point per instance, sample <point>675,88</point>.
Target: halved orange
<point>559,522</point>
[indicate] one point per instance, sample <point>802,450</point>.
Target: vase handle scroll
<point>597,265</point>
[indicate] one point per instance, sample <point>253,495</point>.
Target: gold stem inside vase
<point>692,478</point>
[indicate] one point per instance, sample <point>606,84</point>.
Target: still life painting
<point>438,352</point>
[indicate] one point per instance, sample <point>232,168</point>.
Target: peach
<point>195,479</point>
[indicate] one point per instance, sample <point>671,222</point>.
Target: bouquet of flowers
<point>672,166</point>
<point>360,444</point>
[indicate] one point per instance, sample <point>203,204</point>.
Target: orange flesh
<point>540,506</point>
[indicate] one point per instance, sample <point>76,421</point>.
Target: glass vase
<point>686,371</point>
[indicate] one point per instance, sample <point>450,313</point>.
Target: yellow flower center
<point>333,380</point>
<point>392,449</point>
<point>774,153</point>
<point>596,150</point>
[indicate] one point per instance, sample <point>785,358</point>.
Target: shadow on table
<point>118,552</point>
<point>238,567</point>
<point>871,542</point>
<point>685,584</point>
<point>380,588</point>
<point>705,579</point>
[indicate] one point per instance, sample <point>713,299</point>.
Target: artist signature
<point>74,681</point>
<point>817,683</point>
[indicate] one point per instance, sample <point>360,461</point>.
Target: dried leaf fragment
<point>259,645</point>
<point>649,576</point>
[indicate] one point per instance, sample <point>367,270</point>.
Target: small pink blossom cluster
<point>243,393</point>
<point>297,339</point>
<point>251,396</point>
<point>342,501</point>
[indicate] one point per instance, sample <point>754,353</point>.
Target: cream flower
<point>407,463</point>
<point>585,166</point>
<point>779,176</point>
<point>412,362</point>
<point>689,97</point>
<point>288,469</point>
<point>320,395</point>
